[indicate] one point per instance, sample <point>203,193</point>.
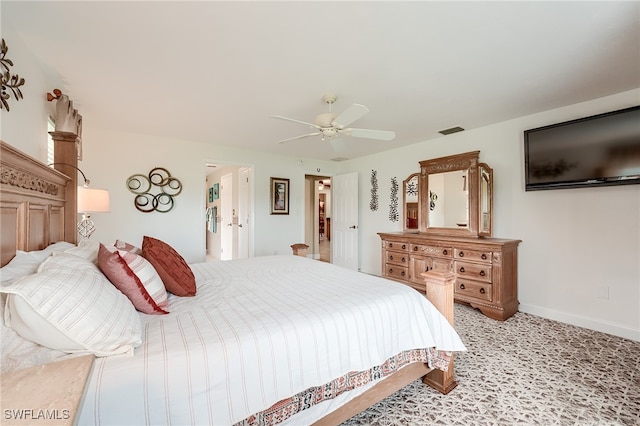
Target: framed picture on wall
<point>216,191</point>
<point>279,196</point>
<point>211,194</point>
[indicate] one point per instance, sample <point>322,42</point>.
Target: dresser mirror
<point>455,196</point>
<point>410,202</point>
<point>486,199</point>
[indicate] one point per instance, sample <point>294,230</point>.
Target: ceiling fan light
<point>329,132</point>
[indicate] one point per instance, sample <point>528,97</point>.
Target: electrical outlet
<point>603,292</point>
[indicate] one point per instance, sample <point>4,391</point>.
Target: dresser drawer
<point>397,246</point>
<point>397,257</point>
<point>431,250</point>
<point>398,272</point>
<point>473,255</point>
<point>475,271</point>
<point>475,289</point>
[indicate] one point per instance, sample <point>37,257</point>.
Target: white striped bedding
<point>258,331</point>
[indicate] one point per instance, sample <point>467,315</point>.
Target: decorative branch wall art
<point>157,179</point>
<point>9,81</point>
<point>394,216</point>
<point>373,204</point>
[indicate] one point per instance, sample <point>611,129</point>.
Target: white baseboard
<point>580,321</point>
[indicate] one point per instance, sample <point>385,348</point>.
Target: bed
<point>267,340</point>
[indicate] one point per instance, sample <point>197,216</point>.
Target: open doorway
<point>318,217</point>
<point>229,212</point>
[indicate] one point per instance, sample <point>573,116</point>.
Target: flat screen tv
<point>600,150</point>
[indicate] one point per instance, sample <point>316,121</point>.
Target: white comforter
<point>259,330</point>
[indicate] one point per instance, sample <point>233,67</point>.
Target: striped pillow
<point>136,278</point>
<point>69,305</point>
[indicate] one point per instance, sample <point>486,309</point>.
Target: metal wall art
<point>9,82</point>
<point>394,215</point>
<point>158,179</point>
<point>373,204</point>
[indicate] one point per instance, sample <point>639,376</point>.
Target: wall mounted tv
<point>600,150</point>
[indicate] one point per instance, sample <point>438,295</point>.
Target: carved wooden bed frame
<point>38,207</point>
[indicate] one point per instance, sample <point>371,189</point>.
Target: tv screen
<point>599,150</point>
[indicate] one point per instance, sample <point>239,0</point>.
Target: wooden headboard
<point>34,202</point>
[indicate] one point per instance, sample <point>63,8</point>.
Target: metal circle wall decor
<point>146,201</point>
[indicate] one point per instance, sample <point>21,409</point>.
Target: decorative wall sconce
<point>9,82</point>
<point>147,202</point>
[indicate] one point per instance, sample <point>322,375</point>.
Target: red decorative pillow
<point>136,278</point>
<point>172,268</point>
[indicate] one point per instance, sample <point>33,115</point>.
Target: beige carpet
<point>525,371</point>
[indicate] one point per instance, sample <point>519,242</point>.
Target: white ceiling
<point>215,71</point>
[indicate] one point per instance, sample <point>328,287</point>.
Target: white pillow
<point>22,264</point>
<point>70,306</point>
<point>26,262</point>
<point>86,249</point>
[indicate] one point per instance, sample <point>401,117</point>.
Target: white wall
<point>574,241</point>
<point>110,157</point>
<point>27,119</point>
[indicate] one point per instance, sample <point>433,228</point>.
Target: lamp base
<point>86,227</point>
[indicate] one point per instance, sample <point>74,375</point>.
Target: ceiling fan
<point>331,126</point>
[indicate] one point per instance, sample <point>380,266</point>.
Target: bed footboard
<point>440,293</point>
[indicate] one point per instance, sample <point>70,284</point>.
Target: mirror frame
<point>468,161</point>
<point>485,228</point>
<point>405,210</point>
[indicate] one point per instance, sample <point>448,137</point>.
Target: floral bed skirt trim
<point>286,408</point>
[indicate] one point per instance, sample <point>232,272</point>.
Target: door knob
<point>353,227</point>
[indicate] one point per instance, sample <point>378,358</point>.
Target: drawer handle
<point>404,246</point>
<point>483,257</point>
<point>415,248</point>
<point>402,273</point>
<point>390,257</point>
<point>482,290</point>
<point>461,286</point>
<point>390,270</point>
<point>404,259</point>
<point>482,273</point>
<point>461,254</point>
<point>445,252</point>
<point>390,244</point>
<point>462,269</point>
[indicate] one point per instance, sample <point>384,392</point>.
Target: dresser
<point>486,269</point>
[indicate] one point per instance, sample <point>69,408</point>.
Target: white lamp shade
<point>91,200</point>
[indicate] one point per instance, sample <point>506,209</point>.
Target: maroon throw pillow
<point>174,271</point>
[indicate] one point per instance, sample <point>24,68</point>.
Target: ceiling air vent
<point>451,130</point>
<point>339,159</point>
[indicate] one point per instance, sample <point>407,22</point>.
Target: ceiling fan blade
<point>351,114</point>
<point>338,145</point>
<point>299,137</point>
<point>383,135</point>
<point>315,126</point>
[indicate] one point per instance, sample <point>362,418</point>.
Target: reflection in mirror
<point>410,194</point>
<point>448,199</point>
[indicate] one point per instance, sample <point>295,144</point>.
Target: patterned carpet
<point>524,371</point>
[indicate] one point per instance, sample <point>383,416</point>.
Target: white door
<point>243,213</point>
<point>226,211</point>
<point>344,220</point>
